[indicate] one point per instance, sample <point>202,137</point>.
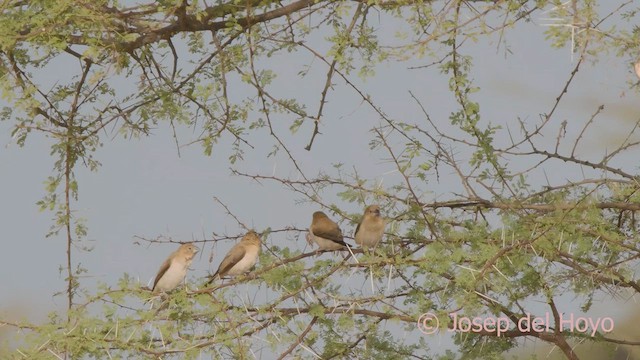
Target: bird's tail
<point>212,278</point>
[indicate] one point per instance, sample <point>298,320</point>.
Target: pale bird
<point>325,233</point>
<point>173,270</point>
<point>241,258</point>
<point>371,227</point>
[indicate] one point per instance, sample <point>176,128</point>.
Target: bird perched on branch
<point>325,233</point>
<point>371,228</point>
<point>241,258</point>
<point>173,270</point>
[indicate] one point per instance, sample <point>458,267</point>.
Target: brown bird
<point>325,233</point>
<point>371,228</point>
<point>241,258</point>
<point>173,270</point>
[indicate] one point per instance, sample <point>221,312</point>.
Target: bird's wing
<point>163,269</point>
<point>358,227</point>
<point>330,231</point>
<point>233,256</point>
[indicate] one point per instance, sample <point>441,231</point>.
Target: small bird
<point>371,228</point>
<point>324,232</point>
<point>173,270</point>
<point>241,258</point>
